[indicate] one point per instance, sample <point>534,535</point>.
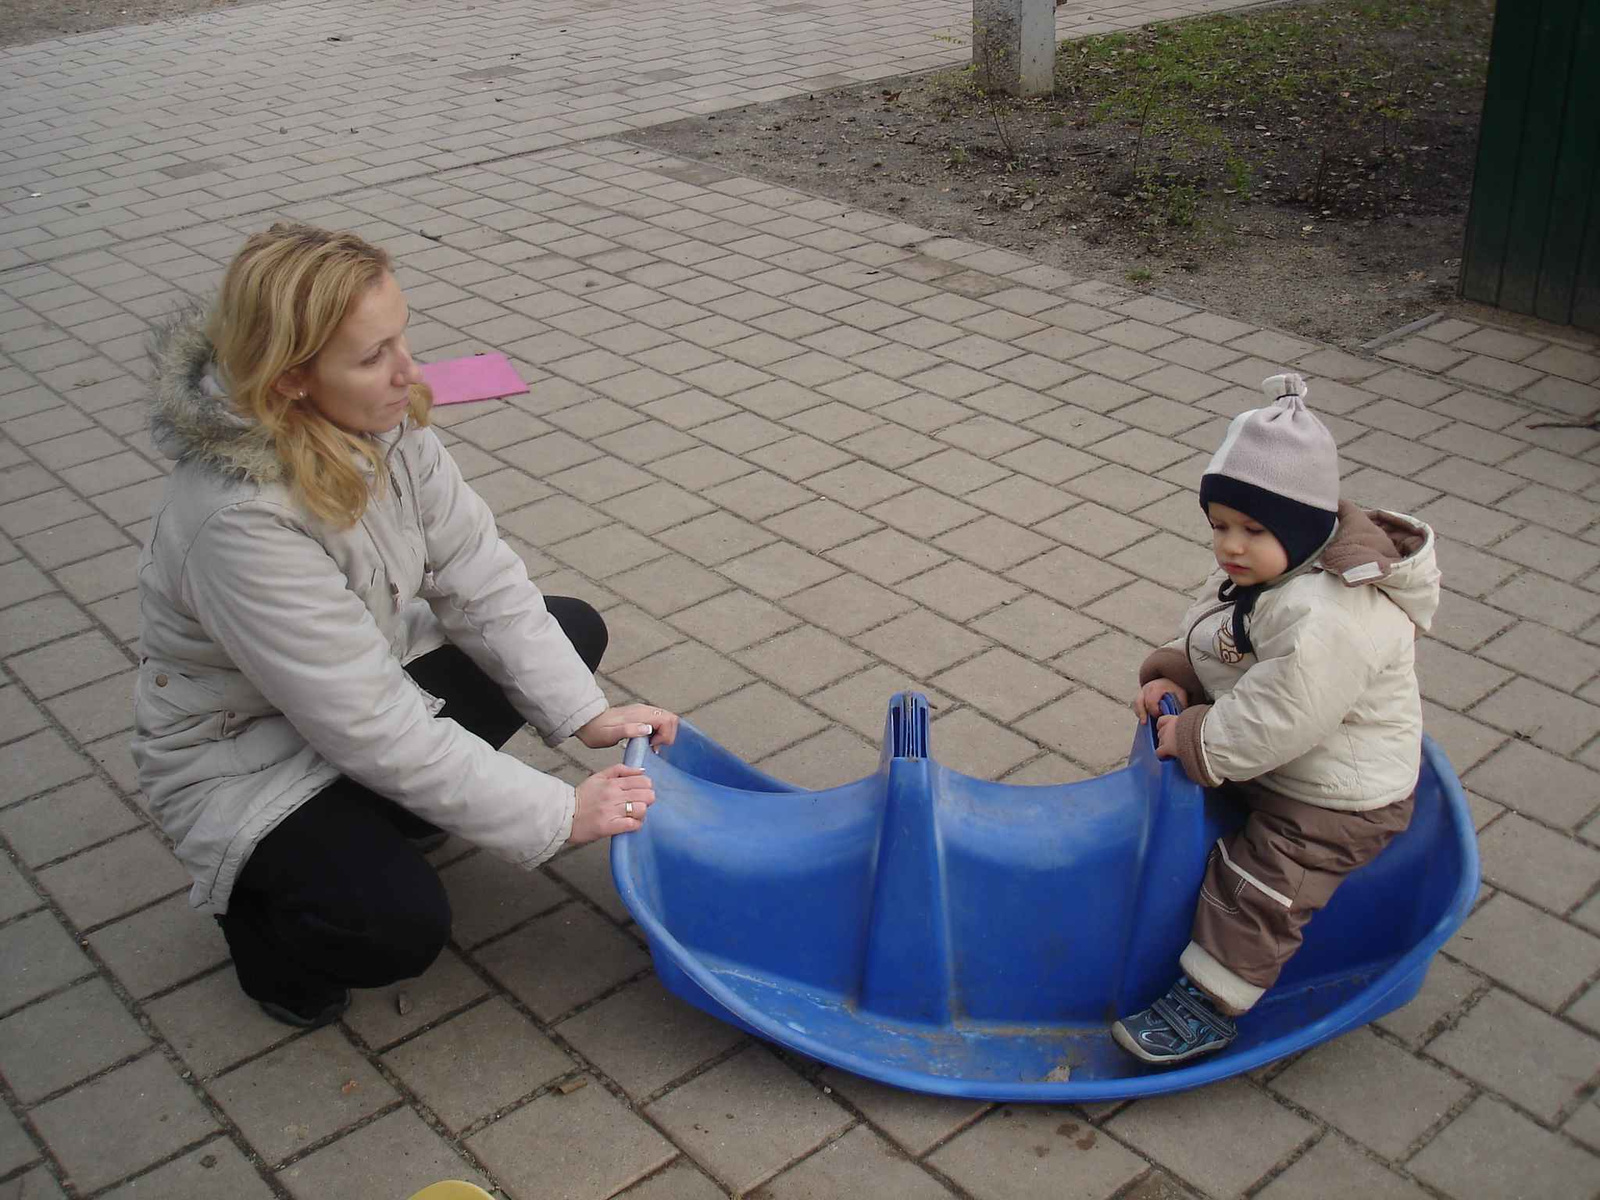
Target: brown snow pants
<point>1266,881</point>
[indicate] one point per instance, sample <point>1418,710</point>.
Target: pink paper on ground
<point>476,377</point>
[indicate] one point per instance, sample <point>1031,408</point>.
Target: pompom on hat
<point>1279,466</point>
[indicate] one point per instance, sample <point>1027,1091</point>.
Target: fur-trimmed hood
<point>192,418</point>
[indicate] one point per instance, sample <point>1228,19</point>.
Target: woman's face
<point>362,380</point>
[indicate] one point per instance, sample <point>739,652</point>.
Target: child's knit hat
<point>1278,465</point>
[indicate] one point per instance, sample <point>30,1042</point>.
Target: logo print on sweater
<point>1223,645</point>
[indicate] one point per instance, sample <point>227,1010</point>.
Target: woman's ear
<point>292,384</point>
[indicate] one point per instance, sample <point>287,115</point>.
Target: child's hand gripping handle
<point>1169,708</point>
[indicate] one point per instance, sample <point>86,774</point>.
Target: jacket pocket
<point>171,705</point>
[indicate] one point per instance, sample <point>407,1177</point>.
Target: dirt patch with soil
<point>1306,167</point>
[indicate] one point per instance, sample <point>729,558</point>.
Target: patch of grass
<point>1140,275</point>
<point>1347,83</point>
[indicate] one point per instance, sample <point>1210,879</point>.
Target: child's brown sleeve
<point>1173,664</point>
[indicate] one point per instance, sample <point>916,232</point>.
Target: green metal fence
<point>1533,232</point>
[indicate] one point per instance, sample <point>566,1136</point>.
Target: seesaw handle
<point>633,754</point>
<point>1169,708</point>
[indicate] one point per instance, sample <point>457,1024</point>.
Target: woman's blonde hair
<point>282,298</point>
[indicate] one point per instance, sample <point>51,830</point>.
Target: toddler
<point>1299,684</point>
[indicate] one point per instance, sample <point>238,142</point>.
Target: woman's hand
<point>1166,736</point>
<point>630,721</point>
<point>1148,702</point>
<point>610,802</point>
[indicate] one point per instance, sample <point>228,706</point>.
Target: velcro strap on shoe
<point>1182,1011</point>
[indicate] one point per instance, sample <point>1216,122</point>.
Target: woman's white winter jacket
<point>1326,709</point>
<point>272,645</point>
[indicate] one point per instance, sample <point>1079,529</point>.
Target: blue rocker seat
<point>945,934</point>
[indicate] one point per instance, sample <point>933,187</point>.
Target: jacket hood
<point>192,417</point>
<point>1388,551</point>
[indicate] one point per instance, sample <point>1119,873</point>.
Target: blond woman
<point>335,642</point>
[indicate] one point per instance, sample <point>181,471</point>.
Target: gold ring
<point>627,808</point>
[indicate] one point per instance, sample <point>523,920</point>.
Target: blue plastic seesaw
<point>945,934</point>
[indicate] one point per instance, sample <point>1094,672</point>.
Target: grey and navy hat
<point>1278,465</point>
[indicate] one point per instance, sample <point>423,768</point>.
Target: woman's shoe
<point>325,1015</point>
<point>1183,1024</point>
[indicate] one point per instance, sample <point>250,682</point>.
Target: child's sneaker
<point>1182,1024</point>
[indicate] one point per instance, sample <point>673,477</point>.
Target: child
<point>1305,707</point>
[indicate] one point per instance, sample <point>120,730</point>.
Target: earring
<point>301,396</point>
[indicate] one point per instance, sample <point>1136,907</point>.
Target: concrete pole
<point>1014,45</point>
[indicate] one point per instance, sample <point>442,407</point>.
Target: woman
<point>336,642</point>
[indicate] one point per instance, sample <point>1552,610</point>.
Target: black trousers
<point>337,895</point>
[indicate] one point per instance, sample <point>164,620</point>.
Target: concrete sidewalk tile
<point>212,1025</point>
<point>1190,1134</point>
<point>584,1146</point>
<point>960,591</point>
<point>1455,679</point>
<point>1069,576</point>
<point>393,1156</point>
<point>1037,627</point>
<point>478,1062</point>
<point>821,525</point>
<point>1002,684</point>
<point>1120,488</point>
<point>1094,529</point>
<point>300,1093</point>
<point>858,1162</point>
<point>587,869</point>
<point>921,643</point>
<point>489,896</point>
<point>1495,1153</point>
<point>1467,624</point>
<point>969,743</point>
<point>68,664</point>
<point>123,1121</point>
<point>993,543</point>
<point>733,620</point>
<point>65,821</point>
<point>46,1047</point>
<point>1445,991</point>
<point>667,585</point>
<point>1534,1060</point>
<point>914,1121</point>
<point>1526,950</point>
<point>1372,1090</point>
<point>1144,609</point>
<point>1541,598</point>
<point>1036,1153</point>
<point>682,1180</point>
<point>1086,727</point>
<point>159,946</point>
<point>1537,783</point>
<point>1542,715</point>
<point>1335,1165</point>
<point>861,701</point>
<point>643,1037</point>
<point>847,604</point>
<point>748,1118</point>
<point>655,507</point>
<point>1466,742</point>
<point>127,873</point>
<point>559,961</point>
<point>803,659</point>
<point>756,721</point>
<point>215,1168</point>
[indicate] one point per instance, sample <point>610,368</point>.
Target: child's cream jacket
<point>1326,709</point>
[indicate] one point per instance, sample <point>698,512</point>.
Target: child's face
<point>1244,548</point>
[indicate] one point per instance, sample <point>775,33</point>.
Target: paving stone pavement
<point>801,455</point>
